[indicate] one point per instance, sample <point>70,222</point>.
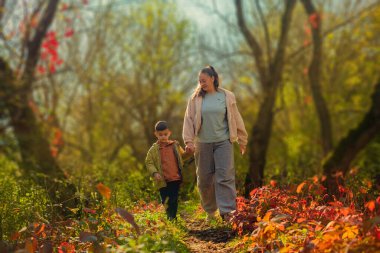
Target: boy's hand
<point>157,176</point>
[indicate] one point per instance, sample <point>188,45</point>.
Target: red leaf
<point>338,174</point>
<point>370,205</point>
<point>29,246</point>
<point>314,20</point>
<point>59,62</point>
<point>34,21</point>
<point>64,7</point>
<point>53,151</point>
<point>299,220</point>
<point>69,32</point>
<point>305,71</point>
<point>41,228</point>
<point>15,236</point>
<point>336,203</point>
<point>345,211</point>
<point>66,247</point>
<point>307,30</point>
<point>273,183</point>
<point>377,233</point>
<point>104,190</point>
<point>88,210</point>
<point>253,192</point>
<point>41,69</point>
<point>128,217</point>
<point>52,68</point>
<point>50,34</point>
<point>57,140</point>
<point>308,100</point>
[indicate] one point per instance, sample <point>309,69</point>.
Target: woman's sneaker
<point>210,217</point>
<point>226,217</point>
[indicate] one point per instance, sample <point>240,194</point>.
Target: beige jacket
<point>193,119</point>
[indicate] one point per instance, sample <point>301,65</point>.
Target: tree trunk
<point>259,142</point>
<point>36,158</point>
<point>314,73</point>
<point>261,131</point>
<point>339,162</point>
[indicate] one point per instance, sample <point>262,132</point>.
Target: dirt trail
<point>203,238</point>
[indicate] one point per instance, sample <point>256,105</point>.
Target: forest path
<point>205,238</point>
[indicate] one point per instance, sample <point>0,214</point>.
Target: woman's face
<point>206,82</point>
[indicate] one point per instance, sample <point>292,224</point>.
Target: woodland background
<point>82,84</point>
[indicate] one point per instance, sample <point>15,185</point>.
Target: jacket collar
<point>229,96</point>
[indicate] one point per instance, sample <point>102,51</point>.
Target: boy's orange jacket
<point>153,162</point>
<point>192,120</point>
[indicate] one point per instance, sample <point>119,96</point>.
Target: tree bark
<point>259,143</point>
<point>261,131</point>
<point>339,162</point>
<point>314,74</point>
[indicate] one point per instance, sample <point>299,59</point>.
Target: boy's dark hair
<point>161,126</point>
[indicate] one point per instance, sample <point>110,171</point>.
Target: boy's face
<point>163,136</point>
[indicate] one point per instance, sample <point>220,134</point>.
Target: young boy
<point>164,163</point>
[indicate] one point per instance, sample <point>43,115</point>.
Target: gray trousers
<point>216,176</point>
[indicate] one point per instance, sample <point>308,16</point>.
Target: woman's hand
<point>189,148</point>
<point>243,148</point>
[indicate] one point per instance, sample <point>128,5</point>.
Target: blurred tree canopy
<point>82,85</point>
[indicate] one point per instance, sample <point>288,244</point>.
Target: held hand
<point>242,149</point>
<point>157,176</point>
<point>190,148</point>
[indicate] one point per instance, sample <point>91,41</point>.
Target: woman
<point>212,123</point>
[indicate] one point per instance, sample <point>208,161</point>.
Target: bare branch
<point>35,44</point>
<point>278,60</point>
<point>7,46</point>
<point>266,30</point>
<point>314,74</point>
<point>2,6</point>
<point>252,42</point>
<point>336,27</point>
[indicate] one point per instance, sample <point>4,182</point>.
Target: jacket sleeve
<point>149,163</point>
<point>241,131</point>
<point>188,132</point>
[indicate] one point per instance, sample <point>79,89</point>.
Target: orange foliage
<point>104,190</point>
<point>314,20</point>
<point>283,220</point>
<point>370,205</point>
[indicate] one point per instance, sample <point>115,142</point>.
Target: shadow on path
<point>205,238</point>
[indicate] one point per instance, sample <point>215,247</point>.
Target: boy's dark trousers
<point>169,196</point>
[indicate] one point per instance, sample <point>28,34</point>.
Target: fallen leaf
<point>128,217</point>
